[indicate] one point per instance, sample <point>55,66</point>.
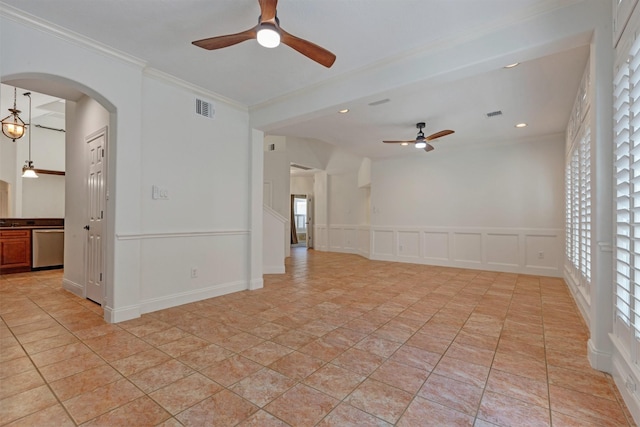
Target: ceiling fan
<point>269,34</point>
<point>421,141</point>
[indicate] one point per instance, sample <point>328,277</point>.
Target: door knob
<point>86,227</point>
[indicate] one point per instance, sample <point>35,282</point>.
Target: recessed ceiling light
<point>521,125</point>
<point>343,111</point>
<point>404,143</point>
<point>515,64</point>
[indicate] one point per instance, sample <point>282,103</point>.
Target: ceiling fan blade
<point>308,49</point>
<point>428,148</point>
<point>400,142</point>
<point>267,10</point>
<point>219,42</point>
<point>439,135</point>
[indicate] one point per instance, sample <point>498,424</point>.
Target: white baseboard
<point>112,315</point>
<point>626,378</point>
<point>160,303</point>
<point>273,269</point>
<point>583,304</point>
<point>73,287</point>
<point>258,283</point>
<point>598,359</point>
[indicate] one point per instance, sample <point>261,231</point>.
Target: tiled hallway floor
<point>336,341</point>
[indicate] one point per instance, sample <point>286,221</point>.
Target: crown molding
<point>67,35</point>
<point>168,78</point>
<point>24,18</point>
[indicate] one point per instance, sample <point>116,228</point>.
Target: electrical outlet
<point>194,272</point>
<point>400,248</point>
<point>540,255</point>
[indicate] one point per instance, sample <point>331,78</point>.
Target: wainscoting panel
<point>350,236</point>
<point>184,267</point>
<point>383,243</point>
<point>320,242</point>
<point>336,238</point>
<point>502,249</point>
<point>409,244</point>
<point>467,247</point>
<point>511,250</point>
<point>541,251</point>
<point>436,245</point>
<point>364,241</point>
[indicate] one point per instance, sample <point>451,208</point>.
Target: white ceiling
<point>365,35</point>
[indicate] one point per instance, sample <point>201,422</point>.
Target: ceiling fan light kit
<point>421,141</point>
<point>269,34</point>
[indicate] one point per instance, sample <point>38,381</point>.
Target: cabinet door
<point>15,251</point>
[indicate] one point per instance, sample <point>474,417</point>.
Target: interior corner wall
<point>83,118</point>
<point>276,173</point>
<point>347,201</point>
<point>499,208</point>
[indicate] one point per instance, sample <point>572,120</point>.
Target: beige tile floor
<point>336,341</point>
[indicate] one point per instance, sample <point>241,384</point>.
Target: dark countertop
<point>34,227</point>
<point>31,223</point>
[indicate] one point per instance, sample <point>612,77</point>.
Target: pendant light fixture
<point>27,170</point>
<point>12,126</point>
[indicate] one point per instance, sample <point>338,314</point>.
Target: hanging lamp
<point>12,126</point>
<point>28,171</point>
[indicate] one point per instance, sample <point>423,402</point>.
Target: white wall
<point>347,201</point>
<point>301,184</point>
<point>496,208</point>
<point>43,197</point>
<point>204,224</point>
<point>277,176</point>
<point>518,184</point>
<point>8,169</point>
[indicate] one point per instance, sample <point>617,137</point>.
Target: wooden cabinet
<point>15,251</point>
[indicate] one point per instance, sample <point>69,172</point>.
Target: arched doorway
<point>88,117</point>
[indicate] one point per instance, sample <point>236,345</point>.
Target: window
<point>578,194</point>
<point>627,193</point>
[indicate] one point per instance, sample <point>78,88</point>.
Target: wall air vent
<point>494,113</point>
<point>382,101</point>
<point>204,108</point>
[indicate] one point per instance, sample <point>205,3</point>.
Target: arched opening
<point>88,124</point>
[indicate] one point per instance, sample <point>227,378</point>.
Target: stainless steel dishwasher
<point>47,248</point>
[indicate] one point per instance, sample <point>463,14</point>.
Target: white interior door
<point>309,222</point>
<point>94,260</point>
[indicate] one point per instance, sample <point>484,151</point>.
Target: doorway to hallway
<point>301,224</point>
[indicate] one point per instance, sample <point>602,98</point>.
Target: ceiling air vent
<point>204,108</point>
<point>382,101</point>
<point>494,113</point>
